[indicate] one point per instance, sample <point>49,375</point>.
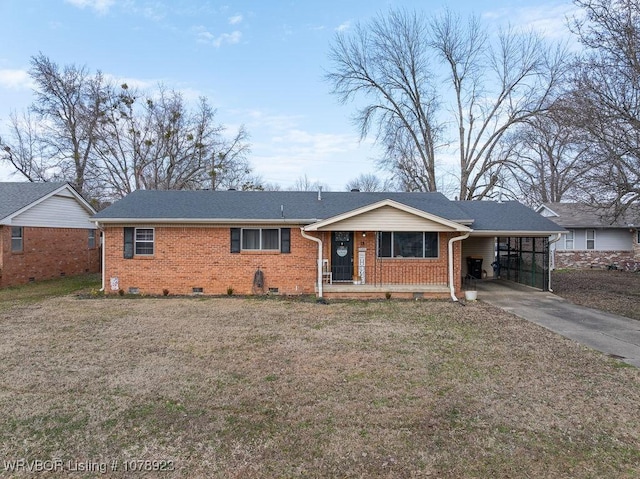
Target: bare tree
<point>606,97</point>
<point>547,159</point>
<point>493,86</point>
<point>304,183</point>
<point>370,183</point>
<point>27,153</point>
<point>109,141</point>
<point>69,103</point>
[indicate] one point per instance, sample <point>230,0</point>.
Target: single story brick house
<point>45,232</point>
<point>594,237</point>
<point>333,244</point>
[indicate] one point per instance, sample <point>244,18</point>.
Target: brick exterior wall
<point>188,257</point>
<point>47,253</point>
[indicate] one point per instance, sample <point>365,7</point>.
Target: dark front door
<point>342,255</point>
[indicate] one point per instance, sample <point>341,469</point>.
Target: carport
<point>524,260</point>
<point>520,259</point>
<point>512,244</point>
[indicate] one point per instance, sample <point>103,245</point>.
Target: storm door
<point>342,255</point>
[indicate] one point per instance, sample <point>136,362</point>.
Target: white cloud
<point>15,79</point>
<point>228,38</point>
<point>547,19</point>
<point>343,26</point>
<point>205,36</point>
<point>100,6</point>
<point>235,19</point>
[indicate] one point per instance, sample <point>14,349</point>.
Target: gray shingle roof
<point>506,216</point>
<point>305,207</point>
<point>579,215</point>
<point>14,195</point>
<point>265,205</point>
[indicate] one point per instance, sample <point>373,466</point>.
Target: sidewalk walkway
<point>611,334</point>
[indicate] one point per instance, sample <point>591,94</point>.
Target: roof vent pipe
<point>319,193</point>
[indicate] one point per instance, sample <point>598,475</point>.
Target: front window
<point>144,241</point>
<point>260,239</point>
<point>591,239</point>
<point>568,240</point>
<point>17,239</point>
<point>411,244</point>
<point>92,239</point>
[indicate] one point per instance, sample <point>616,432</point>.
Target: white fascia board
<point>540,234</point>
<point>215,221</point>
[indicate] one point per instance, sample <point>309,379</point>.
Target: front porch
<point>382,291</point>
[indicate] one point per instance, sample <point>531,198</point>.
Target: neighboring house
<point>45,232</point>
<point>347,244</point>
<point>594,237</point>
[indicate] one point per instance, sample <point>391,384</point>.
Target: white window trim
<point>586,239</point>
<point>135,242</point>
<point>242,248</point>
<point>437,256</point>
<point>571,238</point>
<point>21,238</point>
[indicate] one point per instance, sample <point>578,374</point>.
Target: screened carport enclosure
<point>524,260</point>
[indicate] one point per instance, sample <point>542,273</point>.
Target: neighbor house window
<point>17,239</point>
<point>568,240</point>
<point>261,238</point>
<point>144,241</point>
<point>591,239</point>
<point>92,239</point>
<point>413,244</point>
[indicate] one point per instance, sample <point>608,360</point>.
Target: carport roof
<point>507,218</point>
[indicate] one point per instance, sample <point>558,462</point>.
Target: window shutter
<point>285,240</point>
<point>128,243</point>
<point>235,240</point>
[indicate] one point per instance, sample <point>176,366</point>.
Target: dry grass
<point>613,291</point>
<point>246,388</point>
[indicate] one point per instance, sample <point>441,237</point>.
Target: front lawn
<point>614,291</point>
<point>230,387</point>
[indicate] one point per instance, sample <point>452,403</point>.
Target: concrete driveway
<point>611,334</point>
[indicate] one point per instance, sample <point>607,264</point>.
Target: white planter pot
<point>470,295</point>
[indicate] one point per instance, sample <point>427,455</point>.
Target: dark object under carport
<point>474,266</point>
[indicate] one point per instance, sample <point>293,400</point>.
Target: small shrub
<point>229,291</point>
<point>165,292</point>
<point>121,292</point>
<point>387,295</point>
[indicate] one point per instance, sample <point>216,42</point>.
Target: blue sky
<point>260,63</point>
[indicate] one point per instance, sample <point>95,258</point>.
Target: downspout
<point>558,236</point>
<point>103,254</point>
<point>319,266</point>
<point>452,286</point>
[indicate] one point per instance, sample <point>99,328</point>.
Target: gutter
<point>452,287</point>
<point>319,266</point>
<point>104,255</point>
<point>557,238</point>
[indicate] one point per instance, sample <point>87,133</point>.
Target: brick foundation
<point>583,259</point>
<point>47,253</point>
